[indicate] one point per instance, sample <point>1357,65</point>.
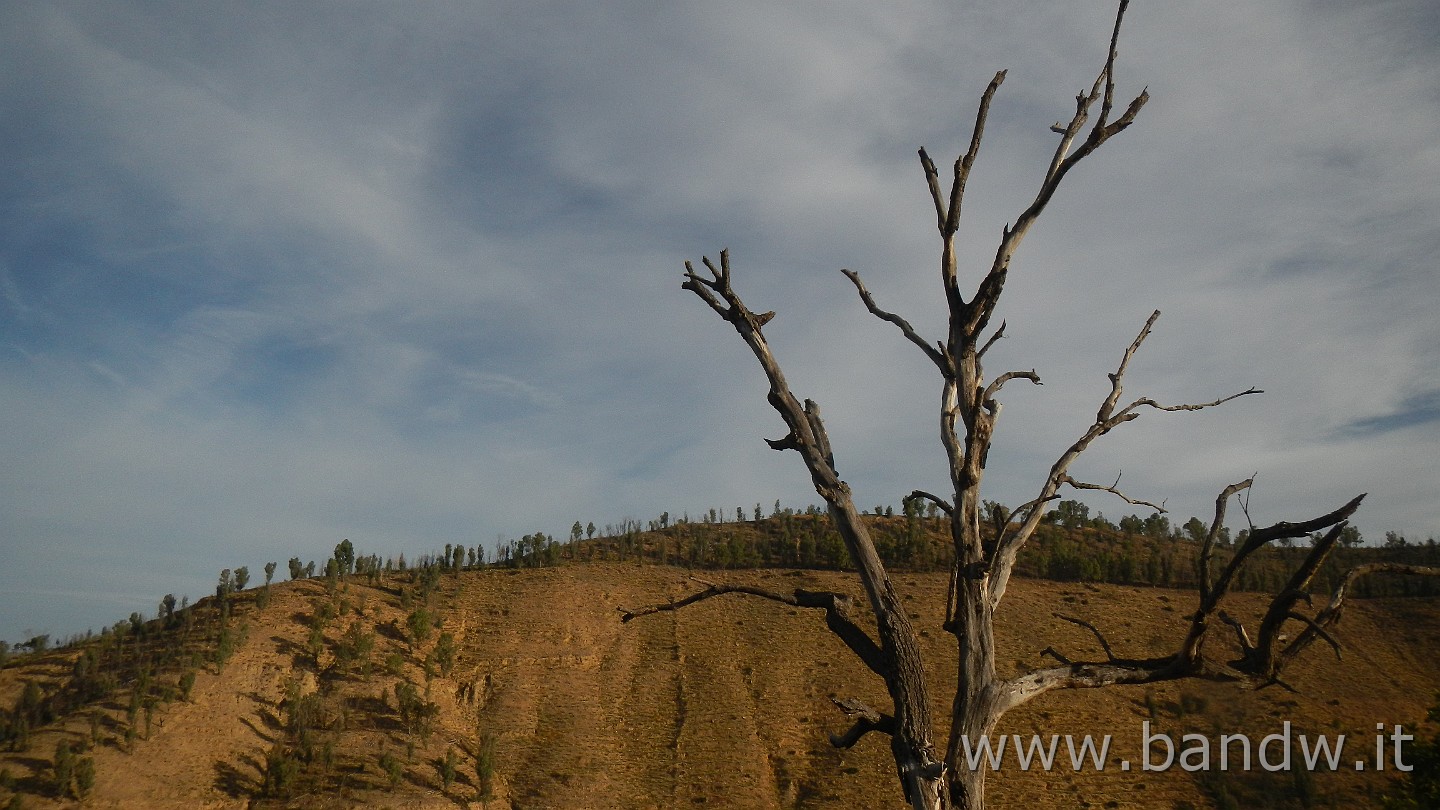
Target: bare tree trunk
<point>969,410</point>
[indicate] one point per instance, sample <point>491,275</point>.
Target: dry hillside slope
<point>722,704</point>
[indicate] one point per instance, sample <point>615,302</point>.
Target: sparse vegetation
<point>416,712</point>
<point>366,720</point>
<point>1419,789</point>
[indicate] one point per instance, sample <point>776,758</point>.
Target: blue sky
<point>273,275</point>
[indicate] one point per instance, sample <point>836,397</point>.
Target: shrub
<point>445,652</point>
<point>415,712</point>
<point>1421,786</point>
<point>393,768</point>
<point>448,768</point>
<point>84,776</point>
<point>394,664</point>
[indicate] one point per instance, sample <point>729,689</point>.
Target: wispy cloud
<point>1418,410</point>
<point>275,277</point>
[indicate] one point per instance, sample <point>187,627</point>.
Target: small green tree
<point>64,766</point>
<point>269,573</point>
<point>416,712</point>
<point>449,768</point>
<point>282,769</point>
<point>1195,529</point>
<point>485,765</point>
<point>355,648</point>
<point>332,575</point>
<point>345,556</point>
<point>297,568</point>
<point>392,767</point>
<point>445,653</point>
<point>187,684</point>
<point>419,623</point>
<point>84,777</point>
<point>1350,537</point>
<point>1070,514</point>
<point>242,578</point>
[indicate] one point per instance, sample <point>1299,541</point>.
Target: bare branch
<point>1108,406</point>
<point>938,501</point>
<point>901,665</point>
<point>1066,479</point>
<point>1054,653</point>
<point>1106,419</point>
<point>1330,614</point>
<point>836,607</point>
<point>999,333</point>
<point>1091,675</point>
<point>1242,636</point>
<point>1281,530</point>
<point>1319,630</point>
<point>1260,661</point>
<point>1207,549</point>
<point>1109,654</point>
<point>1063,160</point>
<point>1150,403</point>
<point>932,179</point>
<point>866,721</point>
<point>1000,381</point>
<point>1109,72</point>
<point>906,329</point>
<point>964,164</point>
<point>1282,606</point>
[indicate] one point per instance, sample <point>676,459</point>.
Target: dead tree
<point>932,777</point>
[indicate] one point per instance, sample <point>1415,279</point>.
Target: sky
<point>274,275</point>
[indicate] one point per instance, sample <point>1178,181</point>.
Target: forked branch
<point>1263,660</point>
<point>1107,418</point>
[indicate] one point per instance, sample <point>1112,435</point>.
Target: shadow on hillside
<point>377,713</point>
<point>300,658</point>
<point>392,631</point>
<point>258,733</point>
<point>231,781</point>
<point>285,646</point>
<point>271,720</point>
<point>38,782</point>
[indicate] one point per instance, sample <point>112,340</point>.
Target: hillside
<point>723,704</point>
